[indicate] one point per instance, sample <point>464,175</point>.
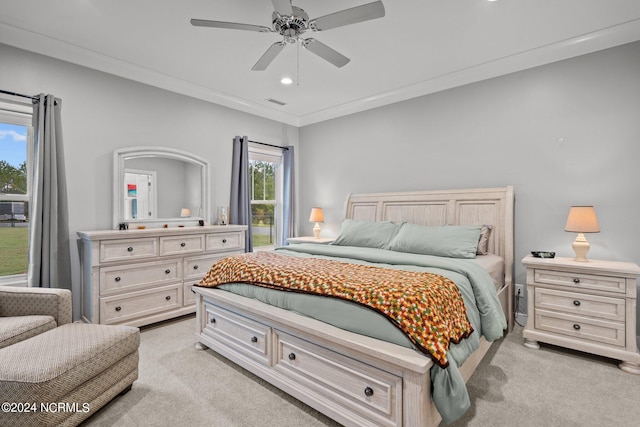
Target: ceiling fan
<point>291,23</point>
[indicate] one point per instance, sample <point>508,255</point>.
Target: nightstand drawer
<point>580,280</point>
<point>580,304</point>
<point>601,331</point>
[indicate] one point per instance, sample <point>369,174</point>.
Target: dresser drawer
<point>245,335</point>
<point>120,250</point>
<point>188,296</point>
<point>359,387</point>
<point>126,307</point>
<point>580,280</point>
<point>224,241</point>
<point>137,276</point>
<point>601,331</point>
<point>177,245</point>
<point>581,304</point>
<point>196,267</point>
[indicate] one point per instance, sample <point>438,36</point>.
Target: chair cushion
<point>18,328</point>
<point>60,360</point>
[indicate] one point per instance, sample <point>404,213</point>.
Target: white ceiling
<point>419,47</point>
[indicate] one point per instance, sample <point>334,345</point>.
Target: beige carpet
<point>514,386</point>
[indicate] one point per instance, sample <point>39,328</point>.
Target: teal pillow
<point>454,241</point>
<point>366,234</point>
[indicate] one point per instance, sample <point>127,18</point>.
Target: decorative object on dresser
<point>223,215</point>
<point>316,216</point>
<point>353,378</point>
<point>582,219</point>
<point>138,277</point>
<point>185,213</point>
<point>589,307</point>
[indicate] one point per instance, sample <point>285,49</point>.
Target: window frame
<point>271,155</point>
<point>20,114</point>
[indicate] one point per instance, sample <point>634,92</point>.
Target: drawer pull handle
<point>118,308</point>
<point>117,279</point>
<point>576,327</point>
<point>224,240</point>
<point>292,356</point>
<point>130,248</point>
<point>183,244</point>
<point>212,320</point>
<point>168,297</point>
<point>576,303</point>
<point>167,271</point>
<point>195,267</point>
<point>576,280</point>
<point>368,392</point>
<point>254,339</point>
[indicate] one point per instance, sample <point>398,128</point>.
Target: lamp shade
<point>582,219</point>
<point>316,215</point>
<point>185,212</point>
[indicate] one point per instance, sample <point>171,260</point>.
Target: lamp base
<point>316,231</point>
<point>581,247</point>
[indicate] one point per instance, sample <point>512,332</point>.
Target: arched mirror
<point>157,185</point>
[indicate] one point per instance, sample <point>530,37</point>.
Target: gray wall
<point>563,134</point>
<point>101,112</point>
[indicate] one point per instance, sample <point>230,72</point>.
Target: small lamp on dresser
<point>316,216</point>
<point>582,219</point>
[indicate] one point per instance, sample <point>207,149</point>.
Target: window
<point>265,176</point>
<point>16,144</point>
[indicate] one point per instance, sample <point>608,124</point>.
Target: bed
<point>358,379</point>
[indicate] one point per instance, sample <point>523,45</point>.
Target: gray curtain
<point>288,201</point>
<point>240,204</point>
<point>49,251</point>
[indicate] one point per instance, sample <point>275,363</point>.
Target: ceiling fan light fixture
<point>286,80</point>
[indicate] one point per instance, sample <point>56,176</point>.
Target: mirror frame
<point>122,154</point>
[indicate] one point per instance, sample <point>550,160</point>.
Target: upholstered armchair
<point>26,312</point>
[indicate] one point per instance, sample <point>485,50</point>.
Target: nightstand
<point>586,306</point>
<point>310,239</point>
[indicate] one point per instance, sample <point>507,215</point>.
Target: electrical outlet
<point>520,290</point>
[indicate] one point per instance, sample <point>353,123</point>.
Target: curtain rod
<point>269,145</point>
<point>33,98</point>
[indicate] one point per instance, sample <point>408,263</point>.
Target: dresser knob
<point>576,303</point>
<point>292,356</point>
<point>130,249</point>
<point>212,320</point>
<point>118,308</point>
<point>576,280</point>
<point>183,244</point>
<point>168,297</point>
<point>167,271</point>
<point>117,279</point>
<point>576,327</point>
<point>195,267</point>
<point>224,240</point>
<point>368,392</point>
<point>254,339</point>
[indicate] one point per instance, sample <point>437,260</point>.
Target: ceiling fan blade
<point>229,25</point>
<point>283,7</point>
<point>268,56</point>
<point>325,52</point>
<point>356,14</point>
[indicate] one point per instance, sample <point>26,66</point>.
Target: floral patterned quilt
<point>427,307</point>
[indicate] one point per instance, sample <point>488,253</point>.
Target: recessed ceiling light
<point>286,81</point>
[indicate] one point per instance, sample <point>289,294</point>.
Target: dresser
<point>586,306</point>
<point>138,277</point>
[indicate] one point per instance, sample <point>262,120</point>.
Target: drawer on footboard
<point>238,332</point>
<point>364,389</point>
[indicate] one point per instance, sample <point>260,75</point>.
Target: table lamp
<point>582,219</point>
<point>185,212</point>
<point>316,216</point>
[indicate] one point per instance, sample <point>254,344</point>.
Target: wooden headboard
<point>488,206</point>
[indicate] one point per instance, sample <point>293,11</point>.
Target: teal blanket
<point>449,391</point>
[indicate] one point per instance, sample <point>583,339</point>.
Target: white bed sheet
<point>494,265</point>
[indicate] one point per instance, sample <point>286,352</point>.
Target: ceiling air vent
<point>275,101</point>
